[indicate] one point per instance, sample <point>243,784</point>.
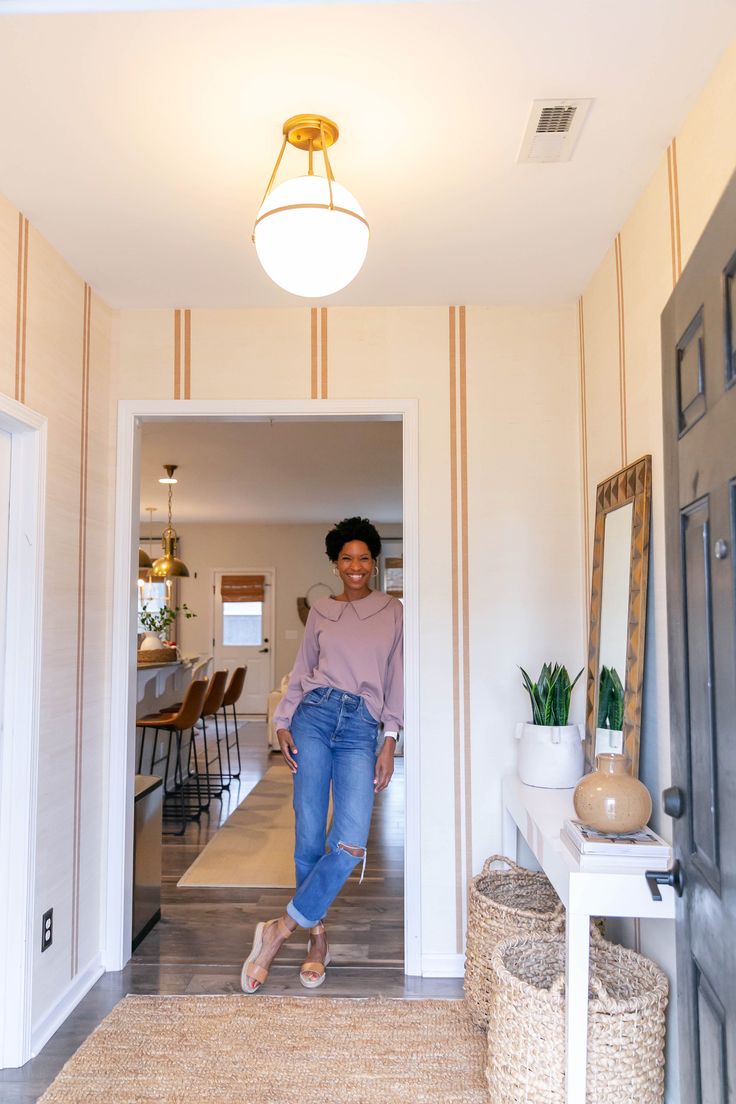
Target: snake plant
<point>550,694</point>
<point>610,700</point>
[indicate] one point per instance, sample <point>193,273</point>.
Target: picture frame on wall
<point>391,567</point>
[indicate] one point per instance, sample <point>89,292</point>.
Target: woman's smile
<point>354,566</point>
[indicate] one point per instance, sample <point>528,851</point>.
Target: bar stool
<point>176,721</point>
<point>232,694</point>
<point>210,708</point>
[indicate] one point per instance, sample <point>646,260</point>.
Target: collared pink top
<point>355,646</point>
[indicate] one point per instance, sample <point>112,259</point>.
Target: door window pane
<point>242,622</point>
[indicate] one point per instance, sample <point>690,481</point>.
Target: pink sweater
<point>354,646</point>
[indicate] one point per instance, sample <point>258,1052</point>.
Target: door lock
<point>673,877</point>
<point>720,549</point>
<point>673,802</point>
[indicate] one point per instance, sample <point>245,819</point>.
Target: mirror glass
<point>614,629</point>
<point>618,614</point>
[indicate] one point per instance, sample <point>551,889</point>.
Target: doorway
<point>22,509</point>
<point>132,416</point>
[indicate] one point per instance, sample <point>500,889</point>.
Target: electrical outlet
<point>47,929</point>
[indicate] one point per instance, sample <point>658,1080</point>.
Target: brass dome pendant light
<point>144,560</point>
<point>310,234</point>
<point>168,566</point>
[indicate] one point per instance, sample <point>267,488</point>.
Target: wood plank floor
<point>204,934</point>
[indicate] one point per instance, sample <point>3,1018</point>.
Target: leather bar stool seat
<point>176,720</point>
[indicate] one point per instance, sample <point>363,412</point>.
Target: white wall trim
<point>131,414</point>
<point>77,988</point>
<point>20,682</point>
<point>443,965</point>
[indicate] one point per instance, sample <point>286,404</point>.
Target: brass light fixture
<point>168,566</point>
<point>311,234</point>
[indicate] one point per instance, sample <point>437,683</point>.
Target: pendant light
<point>168,566</point>
<point>310,234</point>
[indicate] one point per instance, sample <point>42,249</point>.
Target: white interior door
<point>243,630</point>
<point>5,454</point>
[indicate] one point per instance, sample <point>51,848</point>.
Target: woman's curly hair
<point>352,529</point>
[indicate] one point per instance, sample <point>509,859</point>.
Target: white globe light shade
<point>311,251</point>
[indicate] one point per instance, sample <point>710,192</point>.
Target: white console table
<point>538,815</point>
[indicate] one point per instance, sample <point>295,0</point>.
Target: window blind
<point>242,588</point>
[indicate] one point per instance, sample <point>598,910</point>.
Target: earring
<point>334,570</point>
<point>375,570</point>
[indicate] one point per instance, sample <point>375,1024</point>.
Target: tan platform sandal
<point>251,971</point>
<point>314,967</point>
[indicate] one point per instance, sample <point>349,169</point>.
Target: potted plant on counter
<point>550,749</point>
<point>157,624</point>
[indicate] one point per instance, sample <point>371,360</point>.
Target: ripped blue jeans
<point>336,741</point>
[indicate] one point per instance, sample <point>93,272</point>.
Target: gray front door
<point>699,391</point>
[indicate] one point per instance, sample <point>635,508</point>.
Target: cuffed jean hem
<point>299,918</point>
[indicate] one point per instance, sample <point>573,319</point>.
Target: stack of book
<point>632,851</point>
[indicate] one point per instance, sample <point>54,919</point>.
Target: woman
<point>347,682</point>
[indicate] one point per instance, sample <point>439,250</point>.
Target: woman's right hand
<point>288,748</point>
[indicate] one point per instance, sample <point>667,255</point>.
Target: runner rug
<point>277,1050</point>
<point>255,846</point>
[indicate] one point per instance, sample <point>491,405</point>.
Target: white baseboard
<point>443,965</point>
<point>67,1002</point>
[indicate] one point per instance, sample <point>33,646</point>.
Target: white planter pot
<point>550,756</point>
<point>151,642</point>
<point>609,741</point>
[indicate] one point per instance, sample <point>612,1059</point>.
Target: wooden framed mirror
<point>618,609</point>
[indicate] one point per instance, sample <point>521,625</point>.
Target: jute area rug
<point>255,846</point>
<point>277,1050</point>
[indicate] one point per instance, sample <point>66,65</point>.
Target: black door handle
<point>673,877</point>
<point>263,649</point>
<point>673,802</point>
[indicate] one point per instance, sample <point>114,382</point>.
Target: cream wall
<point>295,552</point>
<point>481,558</point>
<point>620,311</point>
<point>498,419</point>
<point>55,341</point>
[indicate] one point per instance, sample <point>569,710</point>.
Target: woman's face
<point>355,565</point>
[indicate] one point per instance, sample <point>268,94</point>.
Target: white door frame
<point>20,685</point>
<point>271,572</point>
<point>131,414</point>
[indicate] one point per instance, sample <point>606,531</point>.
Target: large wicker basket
<point>526,1024</point>
<point>503,904</point>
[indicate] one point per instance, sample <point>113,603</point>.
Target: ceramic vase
<point>550,756</point>
<point>610,799</point>
<point>151,642</point>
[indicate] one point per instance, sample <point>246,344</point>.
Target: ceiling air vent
<point>553,129</point>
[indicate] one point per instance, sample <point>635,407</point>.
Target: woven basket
<point>503,904</point>
<point>526,1026</point>
<point>155,656</point>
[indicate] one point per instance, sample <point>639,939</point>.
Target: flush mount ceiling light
<point>168,566</point>
<point>311,234</point>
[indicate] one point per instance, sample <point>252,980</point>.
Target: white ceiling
<point>140,142</point>
<point>279,472</point>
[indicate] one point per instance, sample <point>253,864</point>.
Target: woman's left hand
<point>384,765</point>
